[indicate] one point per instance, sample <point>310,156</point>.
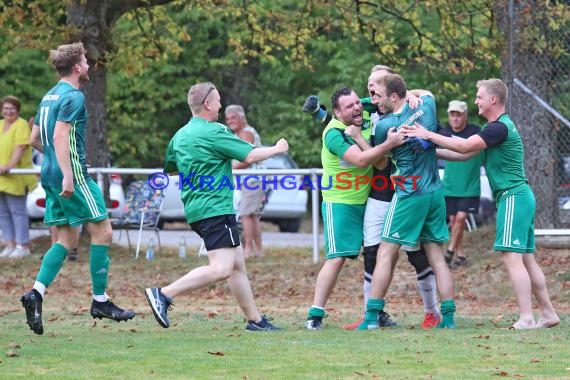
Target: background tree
<point>268,56</point>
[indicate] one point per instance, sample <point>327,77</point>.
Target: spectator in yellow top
<point>15,152</point>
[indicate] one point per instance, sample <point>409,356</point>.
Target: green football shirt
<point>67,104</point>
<point>202,153</point>
<point>342,181</point>
<point>504,161</point>
<point>462,178</point>
<point>414,173</point>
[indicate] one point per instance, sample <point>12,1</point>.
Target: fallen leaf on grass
<point>502,374</point>
<point>482,337</point>
<point>216,353</point>
<point>497,319</point>
<point>533,360</point>
<point>12,354</point>
<point>54,318</point>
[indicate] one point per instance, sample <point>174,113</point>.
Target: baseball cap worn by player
<point>457,106</point>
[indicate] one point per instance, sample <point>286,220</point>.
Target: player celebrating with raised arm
<point>502,154</point>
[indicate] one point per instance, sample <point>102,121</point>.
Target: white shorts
<point>374,217</point>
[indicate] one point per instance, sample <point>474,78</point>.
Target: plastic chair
<point>142,211</point>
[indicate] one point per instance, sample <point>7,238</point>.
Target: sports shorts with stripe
<point>416,218</point>
<point>343,229</point>
<point>86,205</point>
<point>514,231</point>
<point>218,231</point>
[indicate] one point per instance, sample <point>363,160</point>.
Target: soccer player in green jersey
<point>204,148</point>
<point>501,149</point>
<point>72,197</point>
<point>417,210</point>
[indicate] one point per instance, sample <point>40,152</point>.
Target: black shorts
<point>469,205</point>
<point>218,231</point>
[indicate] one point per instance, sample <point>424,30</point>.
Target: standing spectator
<point>252,193</point>
<point>502,153</point>
<point>72,197</point>
<point>461,184</point>
<point>15,152</point>
<point>207,148</point>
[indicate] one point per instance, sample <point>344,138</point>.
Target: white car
<point>36,201</point>
<point>286,206</point>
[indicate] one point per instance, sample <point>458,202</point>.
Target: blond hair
<point>65,57</point>
<point>197,95</point>
<point>383,67</point>
<point>495,87</point>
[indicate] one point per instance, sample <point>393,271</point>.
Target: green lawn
<point>73,347</point>
<point>207,338</point>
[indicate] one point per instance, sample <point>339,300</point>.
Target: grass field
<point>207,338</point>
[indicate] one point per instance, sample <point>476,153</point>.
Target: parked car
<point>285,207</point>
<point>36,201</point>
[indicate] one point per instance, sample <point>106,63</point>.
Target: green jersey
<point>413,173</point>
<point>462,178</point>
<point>504,156</point>
<point>339,182</point>
<point>202,153</point>
<point>67,104</point>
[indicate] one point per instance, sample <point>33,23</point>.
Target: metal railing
<point>312,173</point>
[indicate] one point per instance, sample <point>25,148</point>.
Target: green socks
<point>373,308</point>
<point>315,311</point>
<point>447,314</point>
<point>51,264</point>
<point>99,266</point>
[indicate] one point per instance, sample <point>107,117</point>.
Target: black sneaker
<point>262,325</point>
<point>32,302</point>
<point>460,262</point>
<point>109,310</point>
<point>159,304</point>
<point>384,320</point>
<point>448,257</point>
<point>72,255</point>
<point>314,323</point>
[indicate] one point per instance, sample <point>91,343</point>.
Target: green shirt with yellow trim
<point>340,178</point>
